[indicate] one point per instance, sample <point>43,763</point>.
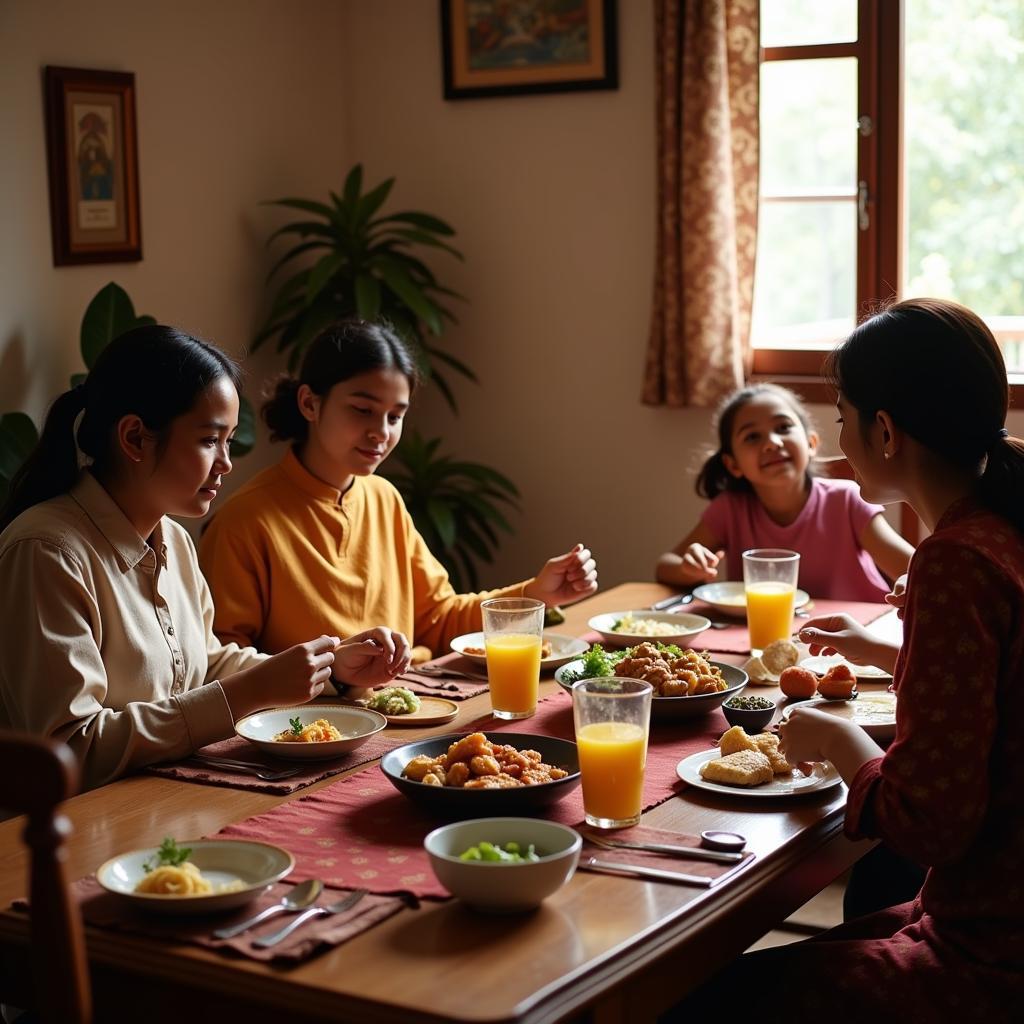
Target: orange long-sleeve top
<point>289,557</point>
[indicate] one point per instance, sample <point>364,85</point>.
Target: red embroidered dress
<point>949,793</point>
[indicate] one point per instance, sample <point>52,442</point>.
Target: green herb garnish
<point>169,853</point>
<point>510,853</point>
<point>296,724</point>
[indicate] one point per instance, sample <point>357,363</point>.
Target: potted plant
<point>109,315</point>
<point>358,261</point>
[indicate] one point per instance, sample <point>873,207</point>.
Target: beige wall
<point>553,197</point>
<point>238,101</point>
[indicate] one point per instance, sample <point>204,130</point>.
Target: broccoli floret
<point>394,700</point>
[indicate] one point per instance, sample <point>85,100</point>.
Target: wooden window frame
<point>879,52</point>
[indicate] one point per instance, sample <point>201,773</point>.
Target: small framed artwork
<point>93,166</point>
<point>502,48</point>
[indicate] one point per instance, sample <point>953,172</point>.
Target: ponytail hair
<point>156,373</point>
<point>936,369</point>
<point>342,351</point>
<point>714,477</point>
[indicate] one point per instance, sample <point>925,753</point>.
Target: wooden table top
<point>603,948</point>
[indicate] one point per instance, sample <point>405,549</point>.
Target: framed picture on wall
<point>514,47</point>
<point>93,166</point>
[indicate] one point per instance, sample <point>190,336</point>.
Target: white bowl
<point>685,627</point>
<point>497,886</point>
<point>564,648</point>
<point>356,726</point>
<point>256,865</point>
<point>730,597</point>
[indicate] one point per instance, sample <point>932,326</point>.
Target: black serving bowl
<point>751,720</point>
<point>454,802</point>
<point>670,709</point>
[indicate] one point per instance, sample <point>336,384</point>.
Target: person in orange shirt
<point>108,642</point>
<point>319,541</point>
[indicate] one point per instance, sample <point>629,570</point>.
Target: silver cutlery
<point>338,907</point>
<point>691,852</point>
<point>642,871</point>
<point>667,604</point>
<point>441,672</point>
<point>431,685</point>
<point>298,899</point>
<point>267,774</point>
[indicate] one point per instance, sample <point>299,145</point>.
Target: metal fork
<point>440,672</point>
<point>690,852</point>
<point>267,774</point>
<point>345,903</point>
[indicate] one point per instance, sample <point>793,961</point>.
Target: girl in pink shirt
<point>763,494</point>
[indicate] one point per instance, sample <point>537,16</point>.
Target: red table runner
<point>361,832</point>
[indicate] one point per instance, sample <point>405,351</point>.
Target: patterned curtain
<point>708,147</point>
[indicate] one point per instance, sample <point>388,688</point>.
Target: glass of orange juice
<point>513,628</point>
<point>769,579</point>
<point>612,718</point>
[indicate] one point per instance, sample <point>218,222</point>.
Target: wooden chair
<point>838,467</point>
<point>36,776</point>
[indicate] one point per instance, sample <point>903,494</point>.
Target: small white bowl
<point>356,726</point>
<point>256,865</point>
<point>684,627</point>
<point>498,886</point>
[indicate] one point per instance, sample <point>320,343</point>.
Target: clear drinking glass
<point>513,629</point>
<point>769,579</point>
<point>612,718</point>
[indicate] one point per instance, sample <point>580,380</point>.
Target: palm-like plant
<point>365,266</point>
<point>455,505</point>
<point>110,314</point>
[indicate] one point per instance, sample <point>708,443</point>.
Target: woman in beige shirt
<point>107,620</point>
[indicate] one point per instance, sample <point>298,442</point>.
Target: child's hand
<point>370,658</point>
<point>700,564</point>
<point>898,597</point>
<point>564,579</point>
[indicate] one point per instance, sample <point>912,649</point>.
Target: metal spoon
<point>338,907</point>
<point>299,898</point>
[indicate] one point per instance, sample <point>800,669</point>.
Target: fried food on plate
<point>744,768</point>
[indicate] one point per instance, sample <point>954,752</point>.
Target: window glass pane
<point>964,151</point>
<point>805,285</point>
<point>809,146</point>
<point>796,22</point>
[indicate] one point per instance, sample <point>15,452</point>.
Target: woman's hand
<point>811,735</point>
<point>898,597</point>
<point>370,658</point>
<point>294,676</point>
<point>567,578</point>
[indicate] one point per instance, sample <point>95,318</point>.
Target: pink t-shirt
<point>832,562</point>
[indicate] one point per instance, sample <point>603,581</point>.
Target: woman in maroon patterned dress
<point>923,397</point>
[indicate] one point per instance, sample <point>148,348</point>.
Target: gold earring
<point>887,455</point>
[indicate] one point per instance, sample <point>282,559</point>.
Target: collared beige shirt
<point>107,638</point>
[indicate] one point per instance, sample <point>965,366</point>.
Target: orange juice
<point>513,669</point>
<point>769,613</point>
<point>612,757</point>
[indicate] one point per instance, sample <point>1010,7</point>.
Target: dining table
<point>602,949</point>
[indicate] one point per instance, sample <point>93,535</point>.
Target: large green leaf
<point>411,235</point>
<point>18,436</point>
<point>420,220</point>
<point>367,296</point>
<point>245,433</point>
<point>353,185</point>
<point>323,270</point>
<point>373,201</point>
<point>397,278</point>
<point>109,315</point>
<point>309,205</point>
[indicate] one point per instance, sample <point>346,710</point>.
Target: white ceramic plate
<point>257,865</point>
<point>685,627</point>
<point>356,726</point>
<point>874,712</point>
<point>563,648</point>
<point>730,598</point>
<point>868,673</point>
<point>822,777</point>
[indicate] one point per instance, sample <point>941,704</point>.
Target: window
<point>890,157</point>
